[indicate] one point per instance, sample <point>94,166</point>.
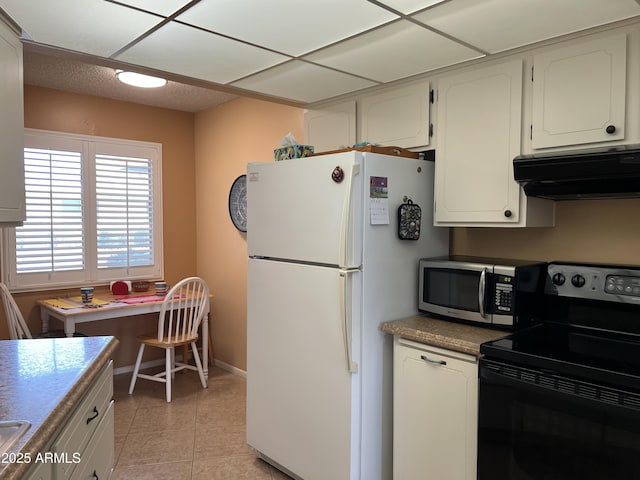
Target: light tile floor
<point>199,435</point>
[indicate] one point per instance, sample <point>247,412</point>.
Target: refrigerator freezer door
<point>299,388</point>
<point>307,209</point>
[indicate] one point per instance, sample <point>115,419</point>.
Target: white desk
<point>71,316</point>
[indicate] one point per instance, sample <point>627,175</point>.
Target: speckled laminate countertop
<point>441,333</point>
<point>42,381</point>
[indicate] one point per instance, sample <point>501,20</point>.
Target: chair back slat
<point>183,309</point>
<point>18,329</point>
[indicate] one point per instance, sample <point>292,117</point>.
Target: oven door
<point>454,289</point>
<point>536,425</point>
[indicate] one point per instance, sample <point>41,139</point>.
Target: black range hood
<point>611,172</point>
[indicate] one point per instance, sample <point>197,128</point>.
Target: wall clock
<point>238,203</point>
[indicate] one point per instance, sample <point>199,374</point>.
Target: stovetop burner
<point>608,357</point>
<point>591,328</point>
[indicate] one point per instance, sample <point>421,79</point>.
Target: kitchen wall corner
<point>227,137</point>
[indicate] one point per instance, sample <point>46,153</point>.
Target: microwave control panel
<point>503,300</point>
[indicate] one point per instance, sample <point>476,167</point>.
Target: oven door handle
<point>482,287</point>
<point>527,382</point>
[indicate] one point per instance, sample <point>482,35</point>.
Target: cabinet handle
<point>95,415</point>
<point>507,213</point>
<point>610,129</point>
<point>437,362</point>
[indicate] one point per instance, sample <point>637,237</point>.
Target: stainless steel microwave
<point>499,292</point>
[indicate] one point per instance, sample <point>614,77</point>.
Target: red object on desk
<point>119,288</point>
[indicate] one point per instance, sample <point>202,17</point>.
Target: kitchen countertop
<point>42,381</point>
<point>459,337</point>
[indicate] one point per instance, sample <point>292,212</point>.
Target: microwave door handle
<point>481,292</point>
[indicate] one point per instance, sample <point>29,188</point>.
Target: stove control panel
<point>594,282</point>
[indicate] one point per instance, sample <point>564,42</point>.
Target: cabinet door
<point>435,413</point>
<point>579,93</point>
<point>397,118</point>
<point>12,200</point>
<point>479,128</point>
<point>331,128</point>
<point>40,471</point>
<point>97,460</point>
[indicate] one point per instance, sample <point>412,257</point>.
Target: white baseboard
<point>230,368</point>
<point>160,361</point>
<point>129,368</point>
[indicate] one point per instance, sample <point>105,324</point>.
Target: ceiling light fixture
<point>140,80</point>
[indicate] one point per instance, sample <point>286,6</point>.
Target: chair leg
<point>173,362</point>
<point>196,357</point>
<point>185,354</point>
<point>136,369</point>
<point>169,374</point>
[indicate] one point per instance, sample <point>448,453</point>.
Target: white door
<point>399,117</point>
<point>299,387</point>
<point>331,127</point>
<point>301,210</point>
<point>579,93</point>
<point>435,413</point>
<point>479,119</point>
<point>12,199</point>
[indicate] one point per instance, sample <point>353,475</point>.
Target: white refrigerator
<point>326,268</point>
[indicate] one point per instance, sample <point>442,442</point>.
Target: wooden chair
<point>181,313</point>
<point>18,329</point>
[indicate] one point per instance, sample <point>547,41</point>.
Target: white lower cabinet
<point>434,413</point>
<point>84,447</point>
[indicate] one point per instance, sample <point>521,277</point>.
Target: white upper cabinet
<point>579,93</point>
<point>478,135</point>
<point>12,198</point>
<point>399,117</point>
<point>332,127</point>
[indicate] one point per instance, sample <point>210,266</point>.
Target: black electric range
<point>561,398</point>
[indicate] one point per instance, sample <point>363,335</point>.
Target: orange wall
<point>205,152</point>
<point>65,112</point>
<point>596,231</point>
<point>227,138</point>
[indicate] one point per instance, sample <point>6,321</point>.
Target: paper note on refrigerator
<point>378,201</point>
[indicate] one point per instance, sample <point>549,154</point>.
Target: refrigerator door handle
<point>346,314</point>
<point>346,218</point>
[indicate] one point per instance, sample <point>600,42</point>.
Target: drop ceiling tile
<point>164,8</point>
<point>392,52</point>
<point>287,26</point>
<point>498,25</point>
<point>410,6</point>
<point>194,53</point>
<point>302,82</point>
<point>95,27</point>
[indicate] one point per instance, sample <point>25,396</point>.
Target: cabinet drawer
<point>75,436</point>
<point>98,458</point>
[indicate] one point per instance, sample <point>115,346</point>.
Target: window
<point>93,212</point>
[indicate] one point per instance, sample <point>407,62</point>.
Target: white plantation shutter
<point>93,213</point>
<point>52,238</point>
<point>124,211</point>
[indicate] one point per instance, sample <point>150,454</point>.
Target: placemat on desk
<point>133,299</point>
<point>72,302</point>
